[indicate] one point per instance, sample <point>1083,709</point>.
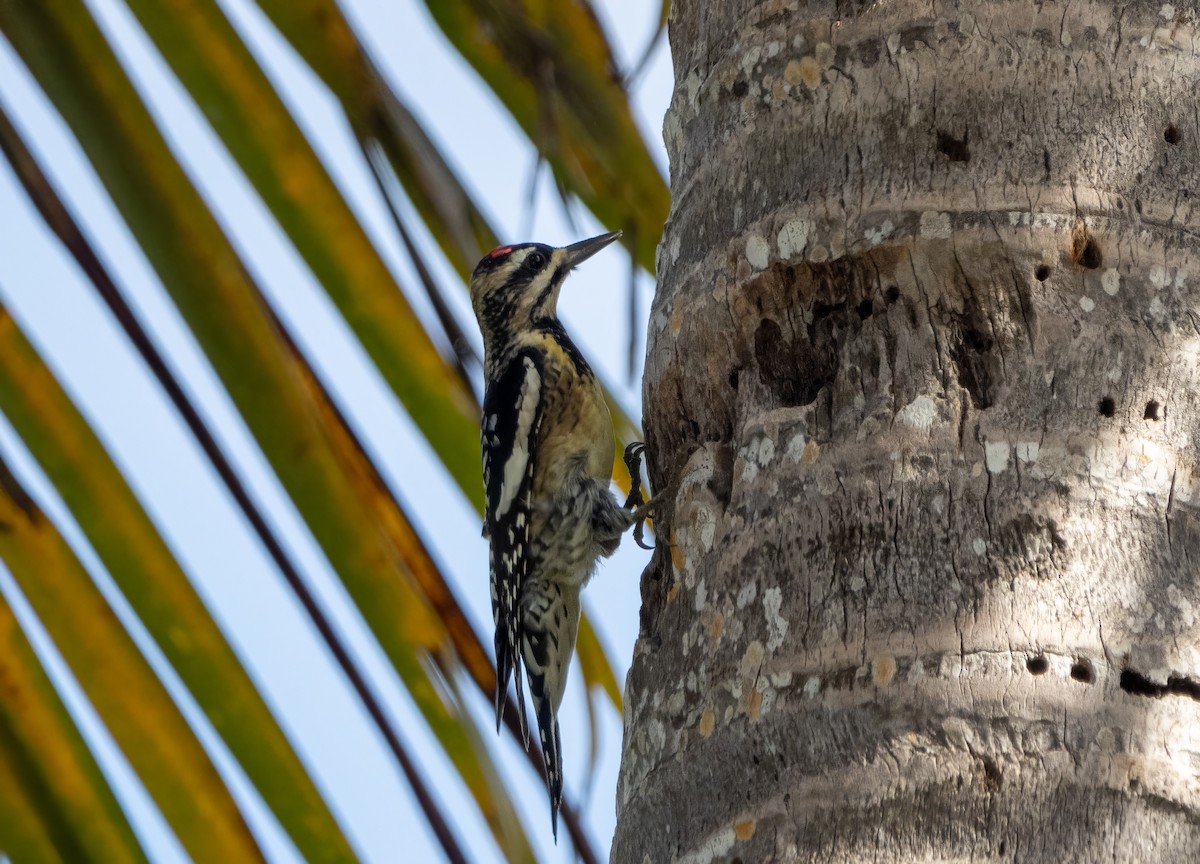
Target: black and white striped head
<point>514,286</point>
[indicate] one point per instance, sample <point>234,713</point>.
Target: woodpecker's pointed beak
<point>579,252</point>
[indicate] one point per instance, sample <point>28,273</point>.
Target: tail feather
<point>552,752</point>
<point>550,624</point>
<point>508,662</point>
<point>521,707</point>
<point>503,673</point>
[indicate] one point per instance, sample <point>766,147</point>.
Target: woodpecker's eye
<point>535,260</point>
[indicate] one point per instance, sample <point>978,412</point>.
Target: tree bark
<point>925,362</point>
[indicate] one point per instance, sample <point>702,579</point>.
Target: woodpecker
<point>547,465</point>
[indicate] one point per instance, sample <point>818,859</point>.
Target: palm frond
<point>46,761</point>
<point>551,66</point>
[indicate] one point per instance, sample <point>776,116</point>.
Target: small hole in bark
<point>892,295</point>
<point>1107,406</point>
<point>1081,670</point>
<point>821,311</point>
<point>1003,847</point>
<point>1172,135</point>
<point>1154,411</point>
<point>957,149</point>
<point>740,89</point>
<point>1139,685</point>
<point>1137,205</point>
<point>970,356</point>
<point>1189,687</point>
<point>991,773</point>
<point>796,371</point>
<point>975,340</point>
<point>1087,252</point>
<point>1134,783</point>
<point>733,378</point>
<point>1042,273</point>
<point>1037,665</point>
<point>865,308</point>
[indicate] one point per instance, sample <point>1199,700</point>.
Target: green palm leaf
<point>596,153</point>
<point>24,836</point>
<point>132,702</point>
<point>550,64</point>
<point>45,759</point>
<point>159,592</point>
<point>266,379</point>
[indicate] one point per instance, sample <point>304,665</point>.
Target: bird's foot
<point>639,507</point>
<point>633,463</point>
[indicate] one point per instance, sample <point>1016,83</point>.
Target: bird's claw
<point>639,533</point>
<point>633,463</point>
<point>635,502</point>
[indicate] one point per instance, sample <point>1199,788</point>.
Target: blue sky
<point>59,311</point>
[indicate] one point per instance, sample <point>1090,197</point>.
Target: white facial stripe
<point>541,282</point>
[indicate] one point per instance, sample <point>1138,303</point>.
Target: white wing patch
<point>518,460</point>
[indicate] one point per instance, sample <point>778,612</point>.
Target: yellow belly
<point>581,437</point>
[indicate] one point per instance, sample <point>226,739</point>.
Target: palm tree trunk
<point>925,361</point>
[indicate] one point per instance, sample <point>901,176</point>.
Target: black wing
<point>512,413</point>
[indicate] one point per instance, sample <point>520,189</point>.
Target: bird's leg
<point>640,508</point>
<point>633,463</point>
